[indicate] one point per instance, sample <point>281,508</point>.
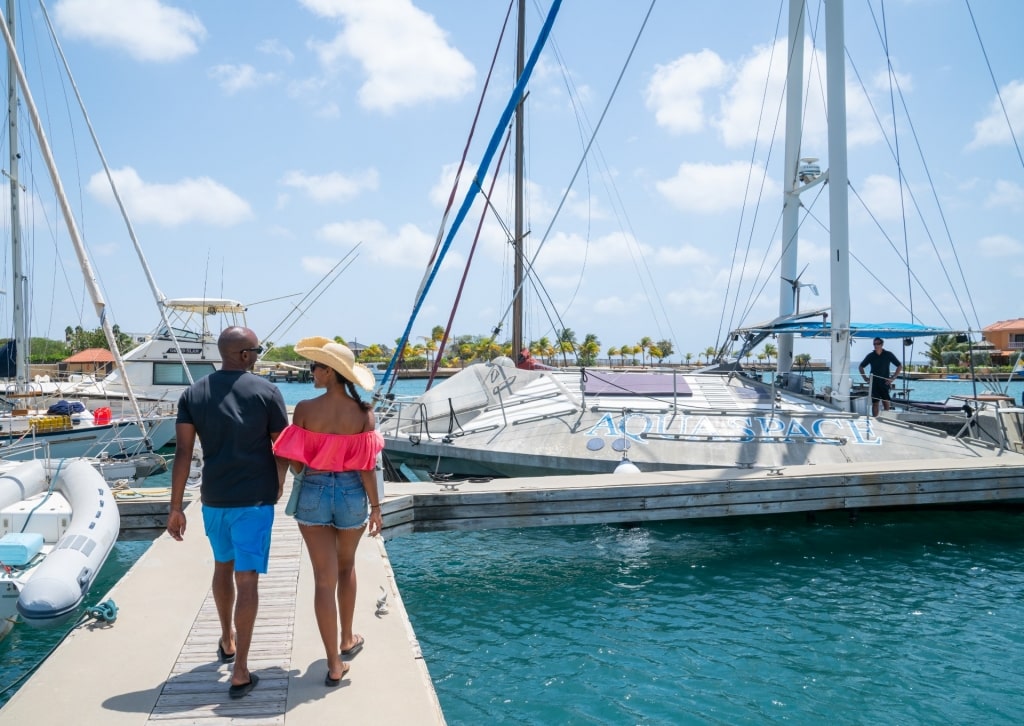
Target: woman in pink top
<point>333,444</point>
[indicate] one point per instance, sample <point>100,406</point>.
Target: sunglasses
<point>314,366</point>
<point>258,350</point>
<point>877,342</point>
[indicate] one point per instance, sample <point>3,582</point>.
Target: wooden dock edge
<point>699,493</point>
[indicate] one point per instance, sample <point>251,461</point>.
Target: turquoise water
<point>909,618</point>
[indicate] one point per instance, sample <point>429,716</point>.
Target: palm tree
<point>666,348</point>
<point>709,353</point>
<point>612,352</point>
<point>566,343</point>
<point>543,348</point>
<point>770,351</point>
<point>939,345</point>
<point>644,344</point>
<point>656,352</point>
<point>589,349</point>
<point>688,357</point>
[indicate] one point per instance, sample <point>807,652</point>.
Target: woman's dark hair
<point>350,387</point>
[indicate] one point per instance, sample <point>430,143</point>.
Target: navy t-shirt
<point>880,362</point>
<point>234,414</point>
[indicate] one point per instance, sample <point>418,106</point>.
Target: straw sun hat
<point>338,357</point>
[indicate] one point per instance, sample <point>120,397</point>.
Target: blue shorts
<point>241,534</point>
<point>333,498</point>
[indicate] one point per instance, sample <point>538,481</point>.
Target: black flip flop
<point>224,657</point>
<point>351,652</point>
<point>243,690</point>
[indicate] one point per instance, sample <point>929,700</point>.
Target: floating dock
<point>697,493</point>
<point>157,663</point>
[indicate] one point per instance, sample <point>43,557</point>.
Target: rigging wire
<point>637,257</point>
<point>297,310</point>
<point>485,162</point>
<point>590,142</point>
<point>720,341</point>
<point>995,84</point>
<point>931,184</point>
<point>433,259</point>
<point>899,162</point>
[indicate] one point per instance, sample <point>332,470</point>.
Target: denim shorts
<point>241,535</point>
<point>333,498</point>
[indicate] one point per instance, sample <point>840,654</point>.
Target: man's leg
<point>224,597</point>
<point>246,605</point>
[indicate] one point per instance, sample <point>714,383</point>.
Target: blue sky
<point>255,144</point>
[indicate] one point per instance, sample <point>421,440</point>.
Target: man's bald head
<point>236,346</point>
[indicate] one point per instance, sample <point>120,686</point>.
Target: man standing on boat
<point>237,416</point>
<point>879,360</point>
<point>527,362</point>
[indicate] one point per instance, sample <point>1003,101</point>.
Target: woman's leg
<point>347,542</point>
<point>320,542</point>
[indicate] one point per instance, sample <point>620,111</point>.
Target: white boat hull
<point>495,420</point>
<point>49,592</point>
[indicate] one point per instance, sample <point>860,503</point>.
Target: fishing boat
<point>496,419</point>
<point>24,427</point>
<point>58,524</point>
<point>181,350</point>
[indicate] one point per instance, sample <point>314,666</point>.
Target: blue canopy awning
<point>812,329</point>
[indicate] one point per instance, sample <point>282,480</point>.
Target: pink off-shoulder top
<point>330,452</point>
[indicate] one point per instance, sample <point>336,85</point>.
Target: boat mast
<point>788,283</point>
<point>839,251</point>
<point>18,281</point>
<point>517,243</point>
<point>83,258</point>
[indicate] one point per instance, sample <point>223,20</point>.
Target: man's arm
<point>185,441</point>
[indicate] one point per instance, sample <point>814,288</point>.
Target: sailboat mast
<point>517,244</point>
<point>788,284</point>
<point>838,176</point>
<point>83,258</point>
<point>20,332</point>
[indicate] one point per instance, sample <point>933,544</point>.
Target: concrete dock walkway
<point>157,663</point>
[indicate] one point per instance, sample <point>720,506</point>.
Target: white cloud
<point>682,255</point>
<point>569,251</point>
<point>408,247</point>
<point>674,92</point>
<point>190,200</point>
<point>881,196</point>
<point>333,186</point>
<point>237,77</point>
<point>993,130</point>
<point>753,107</point>
<point>275,47</point>
<point>405,55</point>
<point>1000,245</point>
<point>147,30</point>
<point>711,188</point>
<point>1006,194</point>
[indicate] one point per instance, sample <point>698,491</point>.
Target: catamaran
<point>494,419</point>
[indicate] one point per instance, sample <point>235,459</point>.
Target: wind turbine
<point>796,285</point>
